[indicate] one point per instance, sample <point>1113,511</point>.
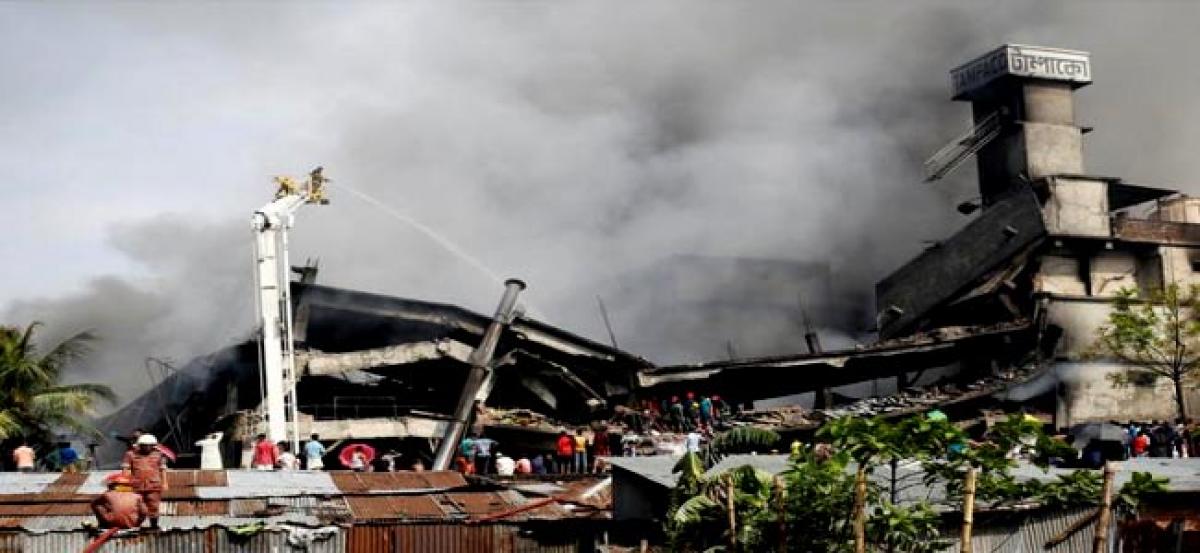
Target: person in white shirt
<point>210,452</point>
<point>505,466</point>
<point>692,442</point>
<point>287,459</point>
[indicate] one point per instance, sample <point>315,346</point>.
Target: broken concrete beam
<point>319,363</point>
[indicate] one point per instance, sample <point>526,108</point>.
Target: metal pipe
<point>813,340</point>
<point>480,361</point>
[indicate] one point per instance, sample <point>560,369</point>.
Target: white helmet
<point>147,439</point>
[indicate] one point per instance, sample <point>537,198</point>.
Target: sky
<point>573,144</point>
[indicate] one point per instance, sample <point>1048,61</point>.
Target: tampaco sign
<point>1035,62</point>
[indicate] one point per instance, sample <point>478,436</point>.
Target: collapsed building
<point>376,367</point>
<point>1001,314</point>
<point>1052,244</point>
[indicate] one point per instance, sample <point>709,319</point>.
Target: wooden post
<point>781,505</point>
<point>860,510</point>
<point>1100,544</point>
<point>729,490</point>
<point>968,511</point>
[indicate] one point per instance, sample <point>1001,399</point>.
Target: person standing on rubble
<point>146,467</point>
<point>266,453</point>
<point>505,465</point>
<point>314,453</point>
<point>706,412</point>
<point>467,448</point>
<point>483,454</point>
<point>693,410</point>
<point>600,445</point>
<point>564,449</point>
<point>719,407</point>
<point>523,466</point>
<point>581,456</point>
<point>678,419</point>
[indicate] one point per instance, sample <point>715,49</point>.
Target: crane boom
<point>273,300</point>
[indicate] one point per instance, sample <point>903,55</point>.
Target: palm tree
<point>33,402</point>
<point>729,510</point>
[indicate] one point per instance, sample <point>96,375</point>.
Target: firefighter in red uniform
<point>120,506</point>
<point>146,466</point>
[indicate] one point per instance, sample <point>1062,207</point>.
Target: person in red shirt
<point>120,506</point>
<point>1141,444</point>
<point>146,467</point>
<point>565,450</point>
<point>600,447</point>
<point>266,453</point>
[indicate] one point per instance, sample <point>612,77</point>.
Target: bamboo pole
<point>860,510</point>
<point>781,495</point>
<point>1100,545</point>
<point>729,491</point>
<point>968,511</point>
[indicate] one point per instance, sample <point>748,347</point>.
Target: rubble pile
<point>909,400</point>
<point>522,417</point>
<point>873,406</point>
<point>790,415</point>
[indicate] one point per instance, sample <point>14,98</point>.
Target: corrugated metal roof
<point>393,507</point>
<point>297,498</point>
<point>25,482</point>
<point>255,483</point>
<point>212,540</point>
<point>194,508</point>
<point>375,482</point>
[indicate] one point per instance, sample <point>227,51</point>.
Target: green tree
<point>33,401</point>
<point>809,506</point>
<point>1155,337</point>
<point>730,510</point>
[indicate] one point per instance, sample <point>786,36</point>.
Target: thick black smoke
<point>578,146</point>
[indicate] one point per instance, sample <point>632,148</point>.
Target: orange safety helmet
<point>118,479</point>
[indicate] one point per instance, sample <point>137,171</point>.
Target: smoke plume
<point>574,145</point>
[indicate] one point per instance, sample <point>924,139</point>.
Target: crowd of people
<point>1161,439</point>
<point>578,453</point>
<point>675,414</point>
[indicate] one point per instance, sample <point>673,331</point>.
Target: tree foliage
<point>33,401</point>
<point>1156,337</point>
<point>808,507</point>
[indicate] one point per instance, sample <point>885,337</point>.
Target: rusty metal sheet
<point>455,538</point>
<point>479,503</point>
<point>211,478</point>
<point>444,479</point>
<point>374,539</point>
<point>67,482</point>
<point>396,507</point>
<point>366,482</point>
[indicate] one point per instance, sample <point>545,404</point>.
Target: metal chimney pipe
<point>480,360</point>
<point>813,341</point>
